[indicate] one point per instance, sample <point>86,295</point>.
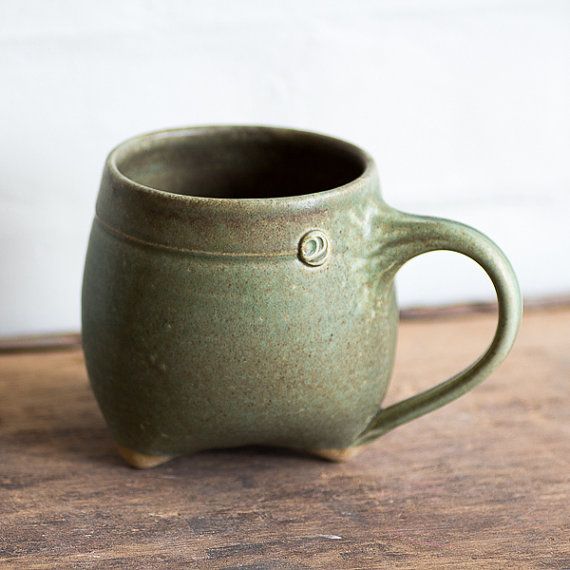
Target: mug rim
<point>139,143</point>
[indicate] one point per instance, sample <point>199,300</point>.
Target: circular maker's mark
<point>314,248</point>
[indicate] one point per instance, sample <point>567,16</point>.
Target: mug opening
<point>239,162</point>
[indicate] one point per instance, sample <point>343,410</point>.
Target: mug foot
<point>142,460</point>
<point>337,455</point>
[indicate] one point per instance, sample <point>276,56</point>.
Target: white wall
<point>464,103</point>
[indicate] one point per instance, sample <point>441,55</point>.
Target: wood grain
<point>482,483</point>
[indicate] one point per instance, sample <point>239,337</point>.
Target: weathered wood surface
<point>483,483</point>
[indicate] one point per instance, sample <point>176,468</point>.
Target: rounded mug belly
<point>190,351</point>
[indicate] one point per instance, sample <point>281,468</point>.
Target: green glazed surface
<point>238,289</point>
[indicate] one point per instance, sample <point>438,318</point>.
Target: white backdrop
<point>464,104</point>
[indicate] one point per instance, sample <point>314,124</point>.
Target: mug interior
<point>239,162</point>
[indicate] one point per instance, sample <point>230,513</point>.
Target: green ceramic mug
<point>238,290</point>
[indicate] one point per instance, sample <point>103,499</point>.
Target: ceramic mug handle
<point>408,236</point>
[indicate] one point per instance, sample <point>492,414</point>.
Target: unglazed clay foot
<point>337,455</point>
<point>141,460</point>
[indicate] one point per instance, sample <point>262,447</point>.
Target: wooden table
<point>483,483</point>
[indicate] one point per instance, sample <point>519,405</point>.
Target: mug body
<point>234,293</point>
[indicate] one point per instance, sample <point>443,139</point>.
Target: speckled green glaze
<point>238,290</point>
